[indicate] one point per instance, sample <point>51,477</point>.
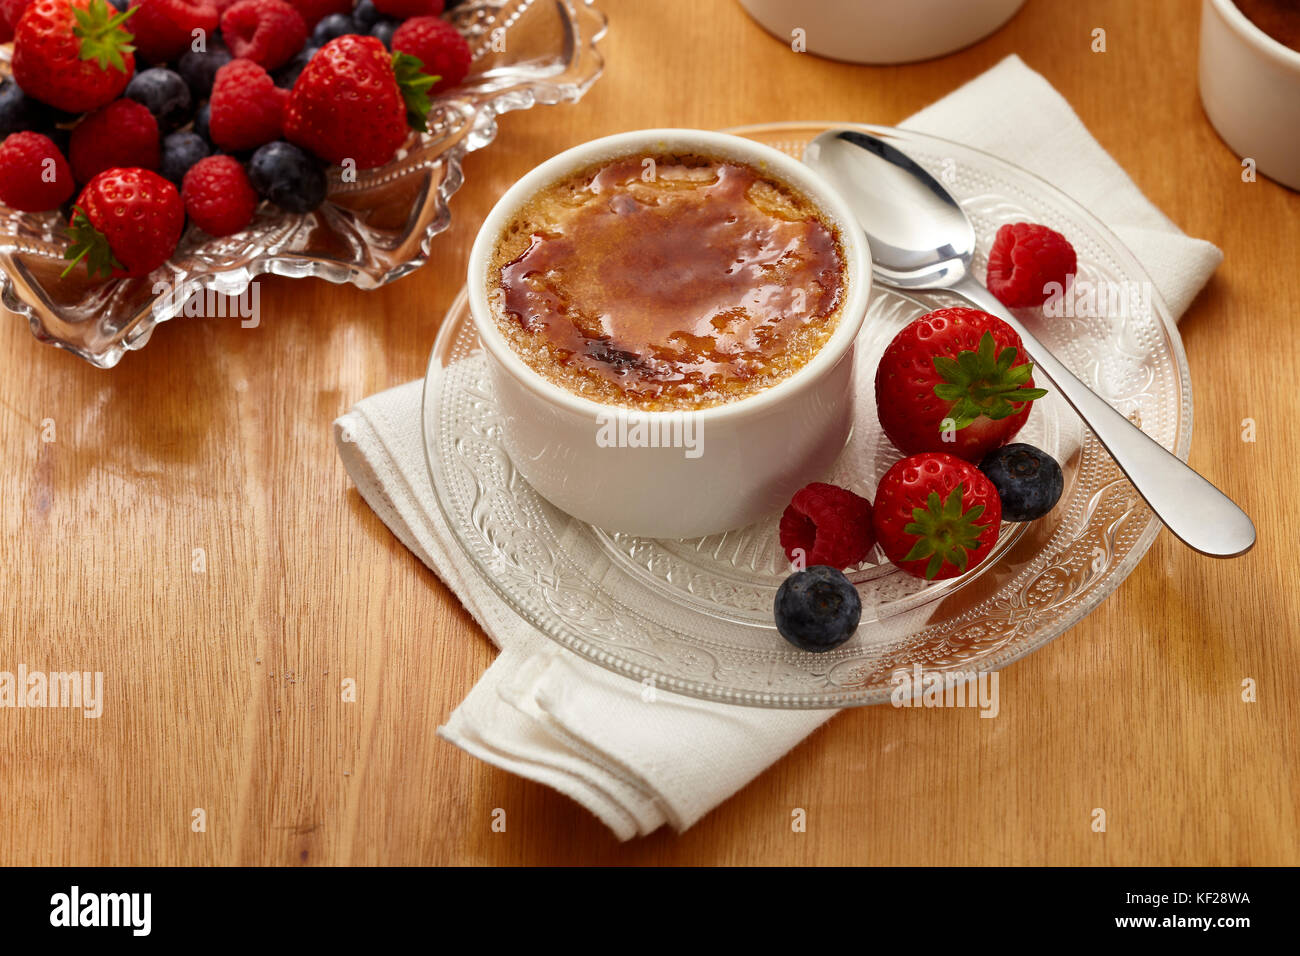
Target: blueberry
<point>365,14</point>
<point>199,69</point>
<point>289,177</point>
<point>1028,480</point>
<point>119,5</point>
<point>18,111</point>
<point>384,30</point>
<point>332,27</point>
<point>817,609</point>
<point>286,76</point>
<point>165,94</point>
<point>201,120</point>
<point>60,137</point>
<point>180,151</point>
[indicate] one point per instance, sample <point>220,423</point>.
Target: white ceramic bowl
<point>1250,86</point>
<point>882,31</point>
<point>753,454</point>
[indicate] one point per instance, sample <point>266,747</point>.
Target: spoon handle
<point>1192,508</point>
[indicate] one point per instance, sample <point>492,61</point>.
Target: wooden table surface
<point>222,687</point>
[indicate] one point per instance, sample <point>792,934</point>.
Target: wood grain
<point>222,687</point>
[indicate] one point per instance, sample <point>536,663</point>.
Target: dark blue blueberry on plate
<point>18,111</point>
<point>384,30</point>
<point>286,76</point>
<point>180,151</point>
<point>201,120</point>
<point>287,176</point>
<point>166,95</point>
<point>817,609</point>
<point>332,27</point>
<point>1028,480</point>
<point>365,14</point>
<point>199,68</point>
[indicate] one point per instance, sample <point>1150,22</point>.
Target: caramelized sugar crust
<point>667,282</point>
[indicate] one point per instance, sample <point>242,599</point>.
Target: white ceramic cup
<point>1250,87</point>
<point>733,463</point>
<point>881,31</point>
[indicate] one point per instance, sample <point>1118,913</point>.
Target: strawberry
<point>126,222</point>
<point>74,55</point>
<point>954,380</point>
<point>11,11</point>
<point>936,516</point>
<point>354,101</point>
<point>123,133</point>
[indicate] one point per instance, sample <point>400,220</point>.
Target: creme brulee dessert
<point>667,282</point>
<point>1280,19</point>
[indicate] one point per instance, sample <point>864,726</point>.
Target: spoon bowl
<point>921,238</point>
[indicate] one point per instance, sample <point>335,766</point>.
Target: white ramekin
<point>755,452</point>
<point>881,31</point>
<point>1250,87</point>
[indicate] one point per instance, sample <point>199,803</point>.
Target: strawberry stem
<point>944,532</point>
<point>414,84</point>
<point>89,244</point>
<point>99,28</point>
<point>984,382</point>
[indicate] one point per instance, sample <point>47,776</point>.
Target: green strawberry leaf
<point>99,28</point>
<point>945,532</point>
<point>984,383</point>
<point>414,84</point>
<point>90,245</point>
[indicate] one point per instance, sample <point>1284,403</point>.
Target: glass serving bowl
<point>695,616</point>
<point>369,232</point>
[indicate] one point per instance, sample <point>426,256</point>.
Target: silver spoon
<point>921,239</point>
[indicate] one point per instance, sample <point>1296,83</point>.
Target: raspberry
<point>268,32</point>
<point>218,196</point>
<point>246,109</point>
<point>164,29</point>
<point>123,133</point>
<point>11,12</point>
<point>439,47</point>
<point>405,9</point>
<point>313,11</point>
<point>830,525</point>
<point>34,176</point>
<point>1026,257</point>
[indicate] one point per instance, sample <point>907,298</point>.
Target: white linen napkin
<point>546,714</point>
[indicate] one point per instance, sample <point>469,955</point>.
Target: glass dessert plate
<point>368,233</point>
<point>695,616</point>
